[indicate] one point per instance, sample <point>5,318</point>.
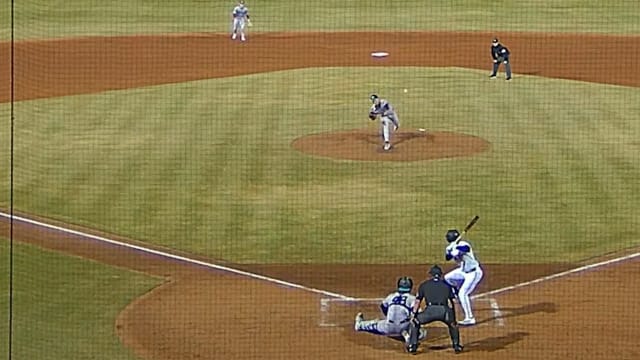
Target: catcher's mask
<point>405,284</point>
<point>452,235</point>
<point>435,271</point>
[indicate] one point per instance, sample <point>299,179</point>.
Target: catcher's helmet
<point>435,271</point>
<point>405,284</point>
<point>452,235</point>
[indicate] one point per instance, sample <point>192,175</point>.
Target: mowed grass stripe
<point>92,17</point>
<point>169,165</point>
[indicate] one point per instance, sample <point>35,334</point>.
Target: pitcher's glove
<point>372,116</point>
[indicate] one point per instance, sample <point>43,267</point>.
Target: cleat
<point>405,336</point>
<point>422,334</point>
<point>358,321</point>
<point>467,322</point>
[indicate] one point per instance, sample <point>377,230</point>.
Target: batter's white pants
<point>466,283</point>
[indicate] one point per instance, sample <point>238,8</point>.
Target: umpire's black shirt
<point>499,51</point>
<point>435,292</point>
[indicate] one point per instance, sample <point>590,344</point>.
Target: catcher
<point>388,118</point>
<point>500,54</point>
<point>396,308</point>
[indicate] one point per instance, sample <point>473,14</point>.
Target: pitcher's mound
<point>366,145</point>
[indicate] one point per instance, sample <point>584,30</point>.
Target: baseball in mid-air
<point>405,90</point>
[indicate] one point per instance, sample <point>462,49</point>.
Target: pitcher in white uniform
<point>466,276</point>
<point>396,308</point>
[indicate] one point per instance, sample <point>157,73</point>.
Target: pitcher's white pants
<point>387,127</point>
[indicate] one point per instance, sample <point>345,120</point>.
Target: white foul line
<point>298,286</point>
<point>179,258</point>
<point>557,275</point>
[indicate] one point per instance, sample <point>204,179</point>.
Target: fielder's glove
<point>372,116</point>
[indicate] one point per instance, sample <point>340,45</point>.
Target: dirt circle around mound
<point>192,315</point>
<point>409,145</point>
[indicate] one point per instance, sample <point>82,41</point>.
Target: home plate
<point>379,54</point>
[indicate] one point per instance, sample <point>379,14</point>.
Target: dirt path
<point>200,313</point>
<point>89,65</point>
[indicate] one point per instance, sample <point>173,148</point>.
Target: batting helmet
<point>452,235</point>
<point>405,284</point>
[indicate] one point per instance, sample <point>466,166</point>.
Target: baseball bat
<point>468,227</point>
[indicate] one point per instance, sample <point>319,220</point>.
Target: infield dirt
<point>205,314</point>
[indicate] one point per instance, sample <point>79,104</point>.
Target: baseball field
<point>169,193</point>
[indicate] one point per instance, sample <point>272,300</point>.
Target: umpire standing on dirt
<point>438,296</point>
<point>500,55</point>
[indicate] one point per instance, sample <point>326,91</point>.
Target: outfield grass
<point>560,180</point>
<point>65,306</point>
<point>63,18</point>
<point>559,184</point>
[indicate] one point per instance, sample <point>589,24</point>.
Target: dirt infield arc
<point>408,145</point>
<point>190,316</point>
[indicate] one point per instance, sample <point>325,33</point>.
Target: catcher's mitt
<point>372,116</point>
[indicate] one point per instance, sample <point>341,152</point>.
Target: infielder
<point>466,276</point>
<point>241,18</point>
<point>396,308</point>
<point>388,118</point>
<point>500,54</point>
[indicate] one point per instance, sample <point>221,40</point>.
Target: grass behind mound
<point>58,18</point>
<point>167,165</point>
<point>65,308</point>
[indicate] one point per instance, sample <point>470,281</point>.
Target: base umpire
<point>500,54</point>
<point>438,296</point>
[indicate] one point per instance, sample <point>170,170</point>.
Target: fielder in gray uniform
<point>388,118</point>
<point>396,308</point>
<point>241,19</point>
